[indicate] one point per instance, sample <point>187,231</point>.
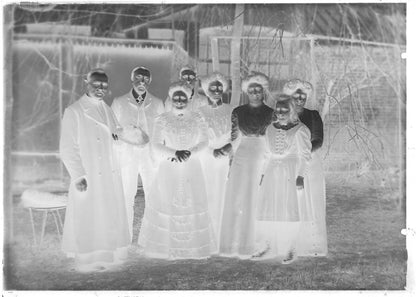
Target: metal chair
<point>46,203</point>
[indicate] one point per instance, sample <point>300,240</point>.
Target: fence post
<point>61,86</point>
<point>314,74</point>
<point>8,14</point>
<point>235,54</point>
<point>215,55</point>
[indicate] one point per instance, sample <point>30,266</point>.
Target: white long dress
<point>176,223</point>
<point>313,236</point>
<point>237,231</point>
<point>281,206</point>
<point>95,228</point>
<point>216,169</point>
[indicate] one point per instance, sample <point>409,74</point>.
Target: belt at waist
<point>281,158</point>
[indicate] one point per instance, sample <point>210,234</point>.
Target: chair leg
<point>60,221</point>
<point>45,216</point>
<point>56,223</point>
<point>32,222</point>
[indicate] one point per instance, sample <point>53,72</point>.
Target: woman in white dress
<point>282,203</point>
<point>176,223</point>
<point>249,123</point>
<point>216,161</point>
<point>313,233</point>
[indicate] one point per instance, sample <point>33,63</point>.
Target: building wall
<point>48,76</point>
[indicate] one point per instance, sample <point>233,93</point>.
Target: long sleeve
<point>112,119</point>
<point>159,148</point>
<point>116,107</point>
<point>304,146</point>
<point>267,153</point>
<point>161,107</point>
<point>235,131</point>
<point>317,130</point>
<point>69,146</point>
<point>203,138</point>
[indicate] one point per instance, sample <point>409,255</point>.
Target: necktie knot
<point>139,101</point>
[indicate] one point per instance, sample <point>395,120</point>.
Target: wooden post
<point>8,93</point>
<point>173,23</point>
<point>215,55</point>
<point>61,86</point>
<point>401,133</point>
<point>235,53</point>
<point>314,74</point>
<point>70,69</point>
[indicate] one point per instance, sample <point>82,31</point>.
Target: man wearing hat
<point>136,112</point>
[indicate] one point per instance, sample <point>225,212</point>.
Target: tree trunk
<point>235,53</point>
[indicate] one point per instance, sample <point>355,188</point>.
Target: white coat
<point>136,159</point>
<point>95,220</point>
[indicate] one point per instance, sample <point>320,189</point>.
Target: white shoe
<point>88,268</point>
<point>259,255</point>
<point>290,257</point>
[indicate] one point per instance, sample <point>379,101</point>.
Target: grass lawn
<point>366,252</point>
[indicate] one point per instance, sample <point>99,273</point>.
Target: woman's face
<point>255,93</point>
<point>215,90</point>
<point>300,100</point>
<point>282,113</point>
<point>179,100</point>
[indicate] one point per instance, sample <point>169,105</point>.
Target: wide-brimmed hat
<point>296,84</point>
<point>215,76</point>
<point>255,77</point>
<point>180,86</point>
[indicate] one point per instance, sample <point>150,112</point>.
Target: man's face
<point>179,100</point>
<point>141,81</point>
<point>300,100</point>
<point>189,76</point>
<point>255,93</point>
<point>215,90</point>
<point>282,112</point>
<point>97,85</point>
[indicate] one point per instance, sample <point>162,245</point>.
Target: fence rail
<point>54,37</point>
<point>35,154</point>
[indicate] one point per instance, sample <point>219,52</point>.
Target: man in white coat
<point>95,229</point>
<point>136,112</point>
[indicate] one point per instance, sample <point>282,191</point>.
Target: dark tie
<point>139,100</point>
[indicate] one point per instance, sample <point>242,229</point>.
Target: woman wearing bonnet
<point>176,223</point>
<point>249,123</point>
<point>313,234</point>
<point>216,160</point>
<point>283,204</point>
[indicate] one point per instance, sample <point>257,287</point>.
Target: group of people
<point>241,182</point>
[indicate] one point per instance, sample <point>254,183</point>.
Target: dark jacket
<point>313,121</point>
